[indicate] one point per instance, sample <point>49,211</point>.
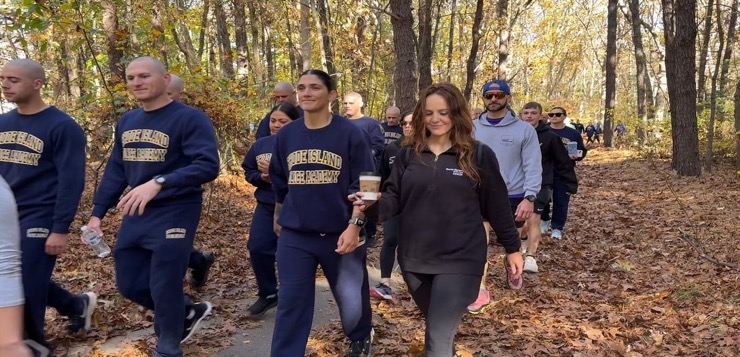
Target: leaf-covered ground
<point>625,281</point>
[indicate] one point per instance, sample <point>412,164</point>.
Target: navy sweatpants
<point>298,256</point>
<point>560,203</point>
<point>262,246</point>
<point>37,268</point>
<point>151,257</point>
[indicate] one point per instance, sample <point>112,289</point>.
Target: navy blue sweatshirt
<point>441,212</point>
<point>373,135</point>
<point>176,141</point>
<point>42,157</point>
<point>555,158</point>
<point>260,150</point>
<point>313,171</point>
<point>392,133</point>
<point>567,135</point>
<point>263,130</point>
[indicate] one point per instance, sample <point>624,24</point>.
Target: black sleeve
<point>564,166</point>
<point>390,200</point>
<point>494,202</point>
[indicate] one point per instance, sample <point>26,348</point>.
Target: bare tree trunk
<point>502,14</point>
<point>256,58</point>
<point>115,45</point>
<point>224,39</point>
<point>203,27</point>
<point>425,53</point>
<point>405,76</point>
<point>359,70</point>
<point>703,56</point>
<point>451,39</point>
<point>437,14</point>
<point>317,25</point>
<point>679,19</point>
<point>267,43</point>
<point>611,70</point>
<point>292,51</point>
<point>709,156</point>
<point>326,39</point>
<point>729,44</point>
<point>305,36</point>
<point>644,88</point>
<point>63,56</point>
<point>240,37</point>
<point>475,43</point>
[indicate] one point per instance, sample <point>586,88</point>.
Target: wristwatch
<point>530,198</point>
<point>160,179</point>
<point>357,221</point>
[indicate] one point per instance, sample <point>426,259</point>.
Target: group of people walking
<point>461,177</point>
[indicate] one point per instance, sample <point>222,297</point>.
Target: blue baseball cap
<point>496,85</point>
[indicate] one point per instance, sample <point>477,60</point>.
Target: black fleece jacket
<point>555,156</point>
<point>389,158</point>
<point>442,211</point>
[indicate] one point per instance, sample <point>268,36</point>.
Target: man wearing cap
<point>517,150</point>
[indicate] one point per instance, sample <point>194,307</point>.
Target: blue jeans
<point>560,202</point>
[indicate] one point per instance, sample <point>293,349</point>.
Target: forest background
<point>605,61</point>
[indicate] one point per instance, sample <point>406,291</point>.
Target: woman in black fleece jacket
<point>442,198</point>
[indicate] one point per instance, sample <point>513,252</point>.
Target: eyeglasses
<point>406,123</point>
<point>498,95</point>
<point>555,115</point>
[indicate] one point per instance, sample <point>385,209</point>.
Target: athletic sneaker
<point>381,291</point>
<point>480,304</point>
<point>530,265</point>
<point>37,350</point>
<point>362,348</point>
<point>261,306</point>
<point>545,227</point>
<point>82,321</point>
<point>196,314</point>
<point>557,234</point>
<point>199,275</point>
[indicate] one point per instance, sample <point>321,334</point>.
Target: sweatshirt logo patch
<point>21,156</point>
<point>507,140</point>
<point>175,233</point>
<point>456,172</point>
<point>37,233</point>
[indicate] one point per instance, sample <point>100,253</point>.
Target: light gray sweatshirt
<point>11,287</point>
<point>517,150</point>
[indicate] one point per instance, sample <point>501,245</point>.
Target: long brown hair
<point>461,133</point>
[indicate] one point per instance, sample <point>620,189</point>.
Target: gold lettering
<point>145,136</point>
<point>22,138</point>
<point>297,178</point>
<point>19,157</point>
<point>144,155</point>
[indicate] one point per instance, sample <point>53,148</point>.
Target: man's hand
<point>93,224</point>
<point>56,244</point>
<point>524,210</point>
<point>349,239</point>
<point>136,199</point>
<point>516,264</point>
<point>263,166</point>
<point>265,177</point>
<point>359,204</point>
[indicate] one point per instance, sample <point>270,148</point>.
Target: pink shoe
<point>481,304</point>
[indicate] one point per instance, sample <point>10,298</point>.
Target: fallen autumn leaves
<point>622,283</point>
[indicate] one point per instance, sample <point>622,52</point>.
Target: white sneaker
<point>557,234</point>
<point>530,265</point>
<point>524,246</point>
<point>545,227</point>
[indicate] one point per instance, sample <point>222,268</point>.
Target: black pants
<point>443,300</point>
<point>390,243</point>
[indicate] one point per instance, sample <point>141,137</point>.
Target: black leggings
<point>390,243</point>
<point>443,300</point>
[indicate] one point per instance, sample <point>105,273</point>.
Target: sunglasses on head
<point>498,95</point>
<point>406,123</point>
<point>555,115</point>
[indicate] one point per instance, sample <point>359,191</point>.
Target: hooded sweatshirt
<point>555,156</point>
<point>516,146</point>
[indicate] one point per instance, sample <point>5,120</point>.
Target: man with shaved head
<point>199,262</point>
<point>283,93</point>
<point>375,138</point>
<point>165,151</point>
<point>42,157</point>
<point>391,126</point>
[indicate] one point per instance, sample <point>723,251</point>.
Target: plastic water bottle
<point>96,241</point>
